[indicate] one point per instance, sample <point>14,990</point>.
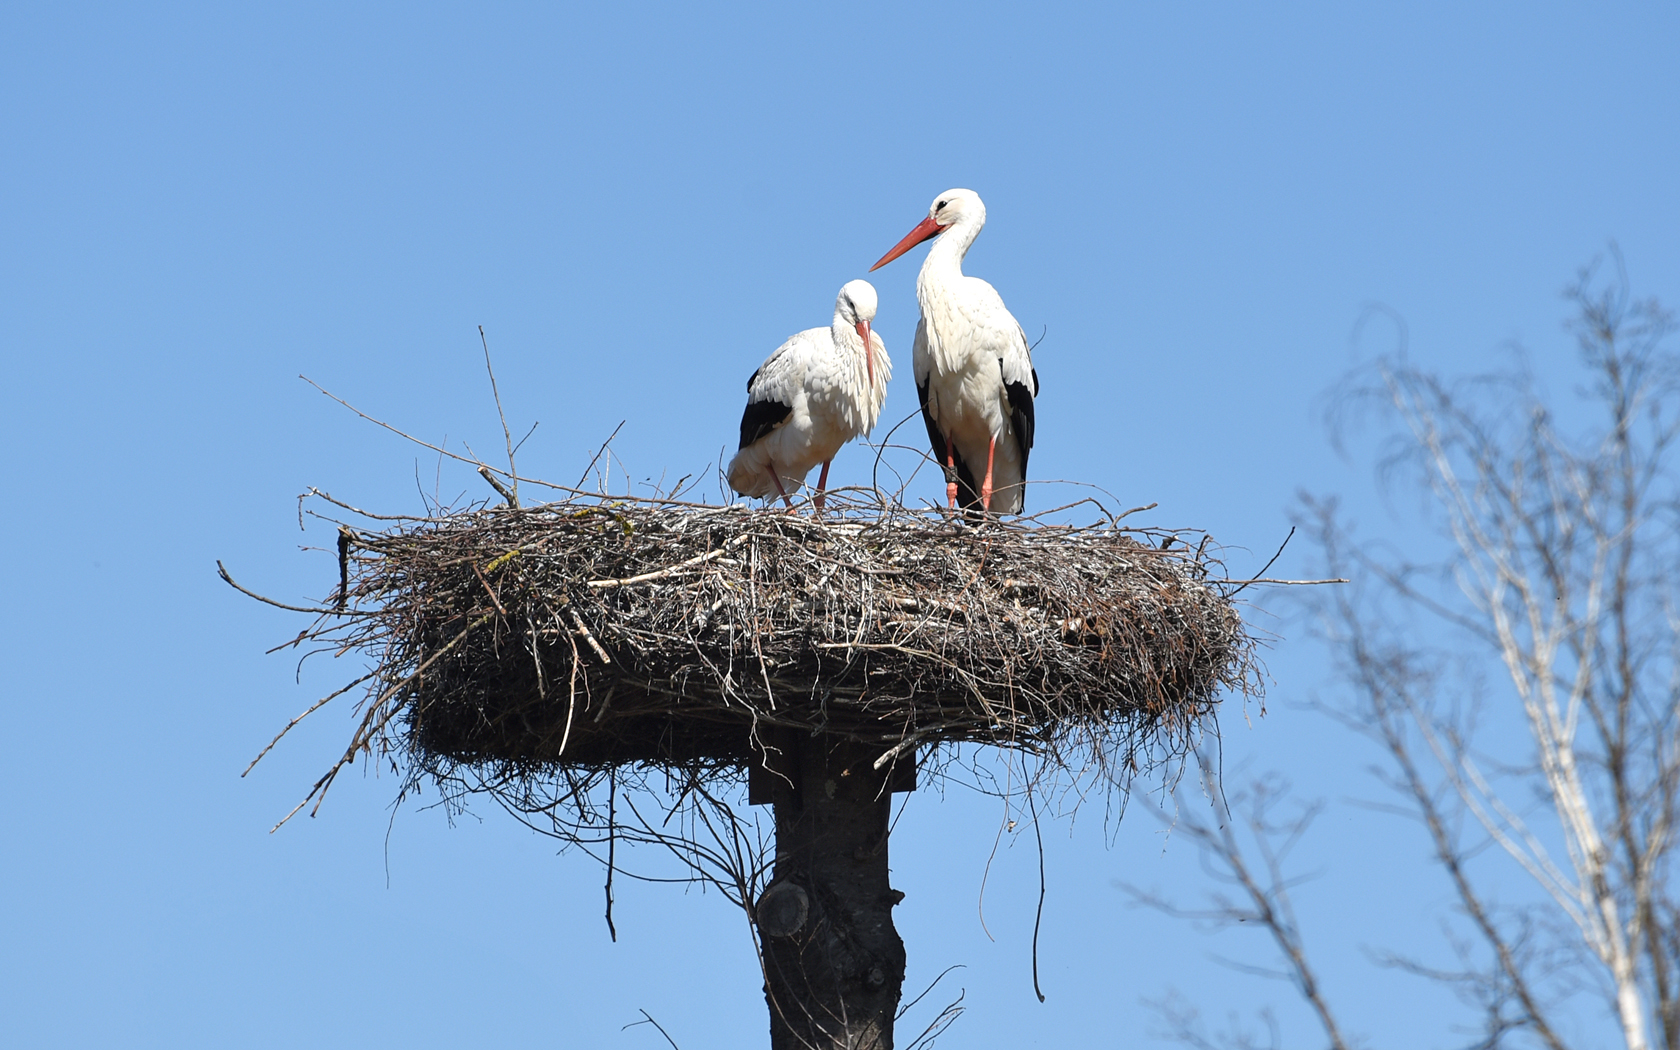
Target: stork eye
<point>941,206</point>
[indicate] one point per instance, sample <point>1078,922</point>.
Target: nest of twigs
<point>597,632</point>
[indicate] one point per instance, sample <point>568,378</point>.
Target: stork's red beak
<point>924,229</point>
<point>868,353</point>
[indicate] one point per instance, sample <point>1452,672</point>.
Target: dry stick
<point>571,700</point>
<point>657,574</point>
<point>889,646</point>
<point>947,1017</point>
<point>571,490</point>
<point>997,840</point>
<point>394,430</point>
<point>344,538</point>
<point>1038,918</point>
<point>886,443</point>
<point>863,612</point>
<point>494,600</point>
<point>911,1005</point>
<point>301,635</point>
<point>335,501</point>
<point>583,630</point>
<point>501,490</point>
<point>222,571</point>
<point>651,1021</point>
<point>855,567</point>
<point>364,735</point>
<point>612,847</point>
<point>606,700</point>
<point>1024,519</point>
<point>1268,564</point>
<point>513,471</point>
<point>758,648</point>
<point>316,706</point>
<point>536,660</point>
<point>598,453</point>
<point>898,749</point>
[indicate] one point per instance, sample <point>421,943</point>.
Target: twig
<point>651,1021</point>
<point>501,490</point>
<point>491,591</point>
<point>571,701</point>
<point>384,425</point>
<point>222,571</point>
<point>1038,916</point>
<point>612,846</point>
<point>597,457</point>
<point>316,706</point>
<point>362,737</point>
<point>1268,564</point>
<point>907,1007</point>
<point>513,471</point>
<point>344,539</point>
<point>898,749</point>
<point>584,631</point>
<point>672,570</point>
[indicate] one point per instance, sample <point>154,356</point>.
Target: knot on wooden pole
<point>783,909</point>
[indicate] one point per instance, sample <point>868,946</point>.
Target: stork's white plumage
<point>819,390</point>
<point>974,371</point>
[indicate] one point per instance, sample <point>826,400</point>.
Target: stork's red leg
<point>986,486</point>
<point>950,473</point>
<point>777,478</point>
<point>822,483</point>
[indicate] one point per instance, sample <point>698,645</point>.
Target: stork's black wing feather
<point>760,418</point>
<point>936,440</point>
<point>968,490</point>
<point>1021,414</point>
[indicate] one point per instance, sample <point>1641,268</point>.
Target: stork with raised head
<point>973,368</point>
<point>819,390</point>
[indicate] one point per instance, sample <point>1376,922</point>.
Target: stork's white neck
<point>944,259</point>
<point>940,284</point>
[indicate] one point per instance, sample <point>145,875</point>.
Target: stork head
<point>856,307</point>
<point>947,210</point>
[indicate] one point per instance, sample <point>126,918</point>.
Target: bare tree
<point>1550,616</point>
<point>1257,893</point>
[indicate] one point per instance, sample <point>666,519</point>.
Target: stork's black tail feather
<point>968,491</point>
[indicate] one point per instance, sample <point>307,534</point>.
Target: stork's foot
<point>950,473</point>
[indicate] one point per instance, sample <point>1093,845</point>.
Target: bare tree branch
<point>1555,608</point>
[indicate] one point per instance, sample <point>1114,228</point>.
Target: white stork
<point>819,390</point>
<point>974,371</point>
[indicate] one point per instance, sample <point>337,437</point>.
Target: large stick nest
<point>595,633</point>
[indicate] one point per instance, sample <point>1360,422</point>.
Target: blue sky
<point>1195,204</point>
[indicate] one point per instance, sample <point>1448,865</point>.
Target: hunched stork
<point>820,389</point>
<point>973,368</point>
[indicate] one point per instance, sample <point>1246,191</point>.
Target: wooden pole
<point>834,963</point>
